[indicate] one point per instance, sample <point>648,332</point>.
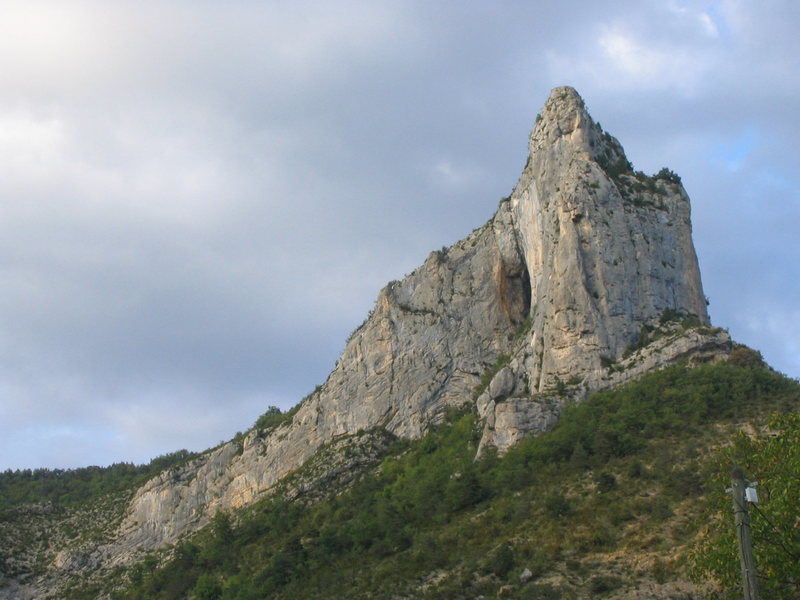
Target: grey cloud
<point>200,202</point>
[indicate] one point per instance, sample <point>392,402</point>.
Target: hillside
<point>614,502</point>
<point>584,278</point>
<point>542,409</point>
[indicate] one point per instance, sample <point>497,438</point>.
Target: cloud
<point>676,48</point>
<point>642,64</point>
<point>709,25</point>
<point>705,18</point>
<point>450,175</point>
<point>199,202</point>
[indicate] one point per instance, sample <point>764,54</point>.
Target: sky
<point>199,201</point>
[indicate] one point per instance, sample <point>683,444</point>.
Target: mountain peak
<point>564,96</point>
<point>585,277</point>
<point>565,130</point>
<point>564,116</point>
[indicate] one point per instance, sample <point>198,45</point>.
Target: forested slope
<point>623,499</point>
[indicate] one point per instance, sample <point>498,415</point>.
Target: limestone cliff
<point>582,261</point>
<point>605,252</point>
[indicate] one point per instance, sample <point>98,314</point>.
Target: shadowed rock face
<point>562,279</point>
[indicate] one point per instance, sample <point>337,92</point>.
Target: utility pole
<point>742,520</point>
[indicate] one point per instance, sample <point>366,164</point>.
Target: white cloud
<point>29,145</point>
<point>637,62</point>
<point>702,17</point>
<point>55,50</point>
<point>708,24</point>
<point>200,200</point>
<point>448,174</point>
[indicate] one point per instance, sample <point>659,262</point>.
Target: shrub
<point>602,584</point>
<point>773,459</point>
<point>557,505</point>
<point>580,457</point>
<point>636,470</point>
<point>606,482</point>
<point>668,175</point>
<point>742,356</point>
<point>207,587</point>
<point>274,418</point>
<point>501,560</point>
<point>541,591</point>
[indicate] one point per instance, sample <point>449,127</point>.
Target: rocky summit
<point>585,277</point>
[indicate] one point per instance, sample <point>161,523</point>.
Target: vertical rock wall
<point>561,279</point>
<point>606,251</point>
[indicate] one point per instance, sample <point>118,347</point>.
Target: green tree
<point>501,560</point>
<point>272,418</point>
<point>463,490</point>
<point>218,550</point>
<point>207,587</point>
<point>580,457</point>
<point>774,462</point>
<point>667,175</point>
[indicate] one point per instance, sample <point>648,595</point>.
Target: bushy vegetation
<point>635,186</point>
<point>675,401</point>
<point>274,418</point>
<point>772,459</point>
<point>668,175</point>
<point>70,487</point>
<point>614,166</point>
<point>615,474</point>
<point>669,323</point>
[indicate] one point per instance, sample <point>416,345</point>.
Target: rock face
<point>576,265</point>
<point>606,252</point>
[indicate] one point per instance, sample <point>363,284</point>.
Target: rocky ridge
<point>582,255</point>
<point>560,290</point>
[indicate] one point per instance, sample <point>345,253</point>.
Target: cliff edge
<point>585,277</point>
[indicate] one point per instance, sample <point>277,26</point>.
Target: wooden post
<point>742,520</point>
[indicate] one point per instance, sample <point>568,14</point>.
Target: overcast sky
<point>200,200</point>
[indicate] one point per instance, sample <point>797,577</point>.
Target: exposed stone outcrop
<point>578,259</point>
<point>608,252</point>
<point>423,348</point>
<point>508,419</point>
<point>562,280</point>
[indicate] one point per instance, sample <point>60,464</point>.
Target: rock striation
<point>585,277</point>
